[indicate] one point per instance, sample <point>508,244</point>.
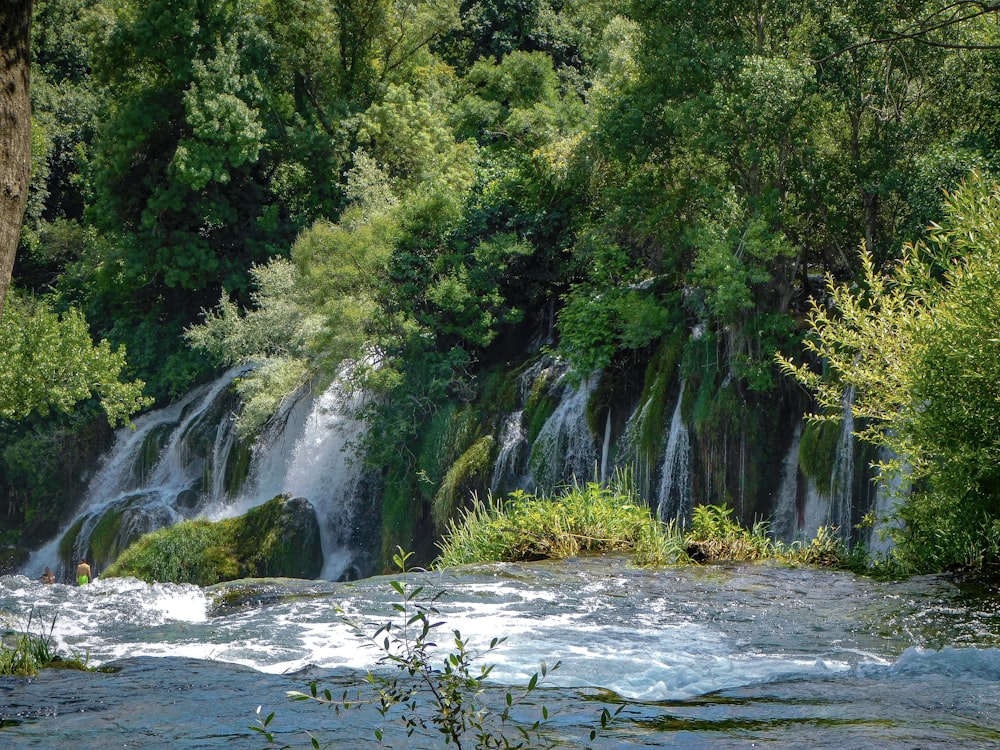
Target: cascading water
<point>509,468</point>
<point>564,450</point>
<point>675,493</point>
<point>785,521</point>
<point>842,478</point>
<point>173,465</point>
<point>325,469</point>
<point>149,478</point>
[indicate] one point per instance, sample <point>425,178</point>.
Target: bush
<point>594,519</point>
<point>591,518</point>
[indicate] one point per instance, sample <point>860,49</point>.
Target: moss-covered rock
<point>467,475</point>
<point>279,538</point>
<point>818,451</point>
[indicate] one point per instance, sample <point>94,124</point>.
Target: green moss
<point>68,542</point>
<point>103,536</point>
<point>498,391</point>
<point>656,385</point>
<point>818,451</point>
<point>237,466</point>
<point>401,512</point>
<point>540,405</point>
<point>263,542</point>
<point>267,542</point>
<point>471,466</point>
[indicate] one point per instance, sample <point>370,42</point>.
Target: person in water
<point>48,576</point>
<point>83,573</point>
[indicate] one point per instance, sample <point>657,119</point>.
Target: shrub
<point>26,653</point>
<point>591,518</point>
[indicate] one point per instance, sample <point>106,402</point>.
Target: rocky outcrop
<point>277,539</point>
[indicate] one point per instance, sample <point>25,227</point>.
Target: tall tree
<point>15,130</point>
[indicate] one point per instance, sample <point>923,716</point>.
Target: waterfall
<point>324,468</point>
<point>151,477</point>
<point>675,495</point>
<point>172,466</point>
<point>564,449</point>
<point>509,469</point>
<point>606,448</point>
<point>842,477</point>
<point>785,519</point>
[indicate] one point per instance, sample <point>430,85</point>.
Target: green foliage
<point>198,552</point>
<point>469,467</point>
<point>259,543</point>
<point>51,363</point>
<point>591,518</point>
<point>602,519</point>
<point>24,654</point>
<point>447,699</point>
<point>47,462</point>
<point>715,535</point>
<point>616,309</point>
<point>274,335</point>
<point>916,350</point>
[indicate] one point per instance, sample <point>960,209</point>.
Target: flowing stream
<point>715,656</point>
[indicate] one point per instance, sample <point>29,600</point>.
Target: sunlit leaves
<point>51,363</point>
<point>919,351</point>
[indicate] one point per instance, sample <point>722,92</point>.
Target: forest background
<point>402,192</point>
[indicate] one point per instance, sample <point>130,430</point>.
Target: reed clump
<point>23,653</point>
<point>594,518</point>
<point>583,519</point>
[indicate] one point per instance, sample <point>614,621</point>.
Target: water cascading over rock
<point>758,462</point>
<point>181,462</point>
<point>675,497</point>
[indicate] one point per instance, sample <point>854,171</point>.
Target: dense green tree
<point>917,352</point>
<point>50,363</point>
<point>749,143</point>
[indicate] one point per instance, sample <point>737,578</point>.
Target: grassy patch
<point>590,518</point>
<point>594,519</point>
<point>25,653</point>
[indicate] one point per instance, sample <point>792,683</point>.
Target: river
<point>715,656</point>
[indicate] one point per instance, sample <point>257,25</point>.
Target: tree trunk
<point>15,130</point>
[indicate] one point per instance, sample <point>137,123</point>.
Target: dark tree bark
<point>15,130</point>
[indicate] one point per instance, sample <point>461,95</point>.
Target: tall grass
<point>24,653</point>
<point>596,518</point>
<point>588,518</point>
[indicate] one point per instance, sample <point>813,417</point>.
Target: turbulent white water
<point>788,645</point>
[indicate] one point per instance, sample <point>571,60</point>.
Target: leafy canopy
<point>51,363</point>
